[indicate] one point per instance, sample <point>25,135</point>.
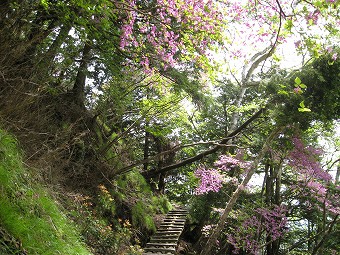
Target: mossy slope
<point>29,213</point>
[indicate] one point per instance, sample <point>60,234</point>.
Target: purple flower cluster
<point>210,180</point>
<point>213,179</point>
<point>313,179</point>
<point>271,222</point>
<point>227,163</point>
<point>168,27</point>
<point>304,160</point>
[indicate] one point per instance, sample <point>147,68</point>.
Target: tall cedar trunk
<point>269,202</point>
<point>146,146</point>
<point>78,90</point>
<point>52,51</point>
<point>161,145</point>
<point>324,236</point>
<point>272,197</point>
<point>277,201</point>
<point>36,36</point>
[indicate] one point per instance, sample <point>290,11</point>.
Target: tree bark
<point>146,147</point>
<point>78,90</point>
<point>337,176</point>
<point>55,46</point>
<point>326,233</point>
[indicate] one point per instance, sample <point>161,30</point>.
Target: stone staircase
<point>165,240</point>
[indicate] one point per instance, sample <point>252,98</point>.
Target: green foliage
<point>131,189</point>
<point>103,232</point>
<point>28,212</point>
<point>307,95</point>
<point>180,187</point>
<point>161,204</point>
<point>141,216</point>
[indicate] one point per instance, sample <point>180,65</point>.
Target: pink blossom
<point>272,221</point>
<point>313,17</point>
<point>335,56</point>
<point>297,44</point>
<point>297,90</point>
<point>210,180</point>
<point>329,49</point>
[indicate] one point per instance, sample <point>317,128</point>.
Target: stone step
<point>178,213</point>
<point>162,244</point>
<point>165,249</point>
<point>174,230</point>
<point>166,235</point>
<point>175,218</point>
<point>162,228</point>
<point>180,223</point>
<point>156,253</point>
<point>171,225</point>
<point>160,239</point>
<point>160,236</point>
<point>179,210</point>
<point>180,220</point>
<point>170,230</point>
<point>165,240</point>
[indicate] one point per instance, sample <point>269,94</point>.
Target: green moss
<point>141,216</point>
<point>28,212</point>
<point>162,204</point>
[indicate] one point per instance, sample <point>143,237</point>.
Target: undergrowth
<point>120,219</point>
<point>29,213</point>
<point>117,219</point>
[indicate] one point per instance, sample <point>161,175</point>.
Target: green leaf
<point>282,92</point>
<point>297,81</point>
<point>289,25</point>
<point>44,3</point>
<point>303,86</point>
<point>304,109</point>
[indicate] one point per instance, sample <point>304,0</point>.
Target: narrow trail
<point>165,240</point>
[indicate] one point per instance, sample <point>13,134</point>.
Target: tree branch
<point>207,152</point>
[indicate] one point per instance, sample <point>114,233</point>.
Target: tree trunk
<point>324,236</point>
<point>78,91</point>
<point>51,53</point>
<point>146,147</point>
<point>337,176</point>
<point>4,11</point>
<point>236,115</point>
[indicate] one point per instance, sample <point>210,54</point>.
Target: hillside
<point>113,113</point>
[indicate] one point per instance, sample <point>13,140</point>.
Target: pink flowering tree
<point>162,34</point>
<point>314,185</point>
<point>266,224</point>
<point>295,188</point>
<point>227,169</point>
